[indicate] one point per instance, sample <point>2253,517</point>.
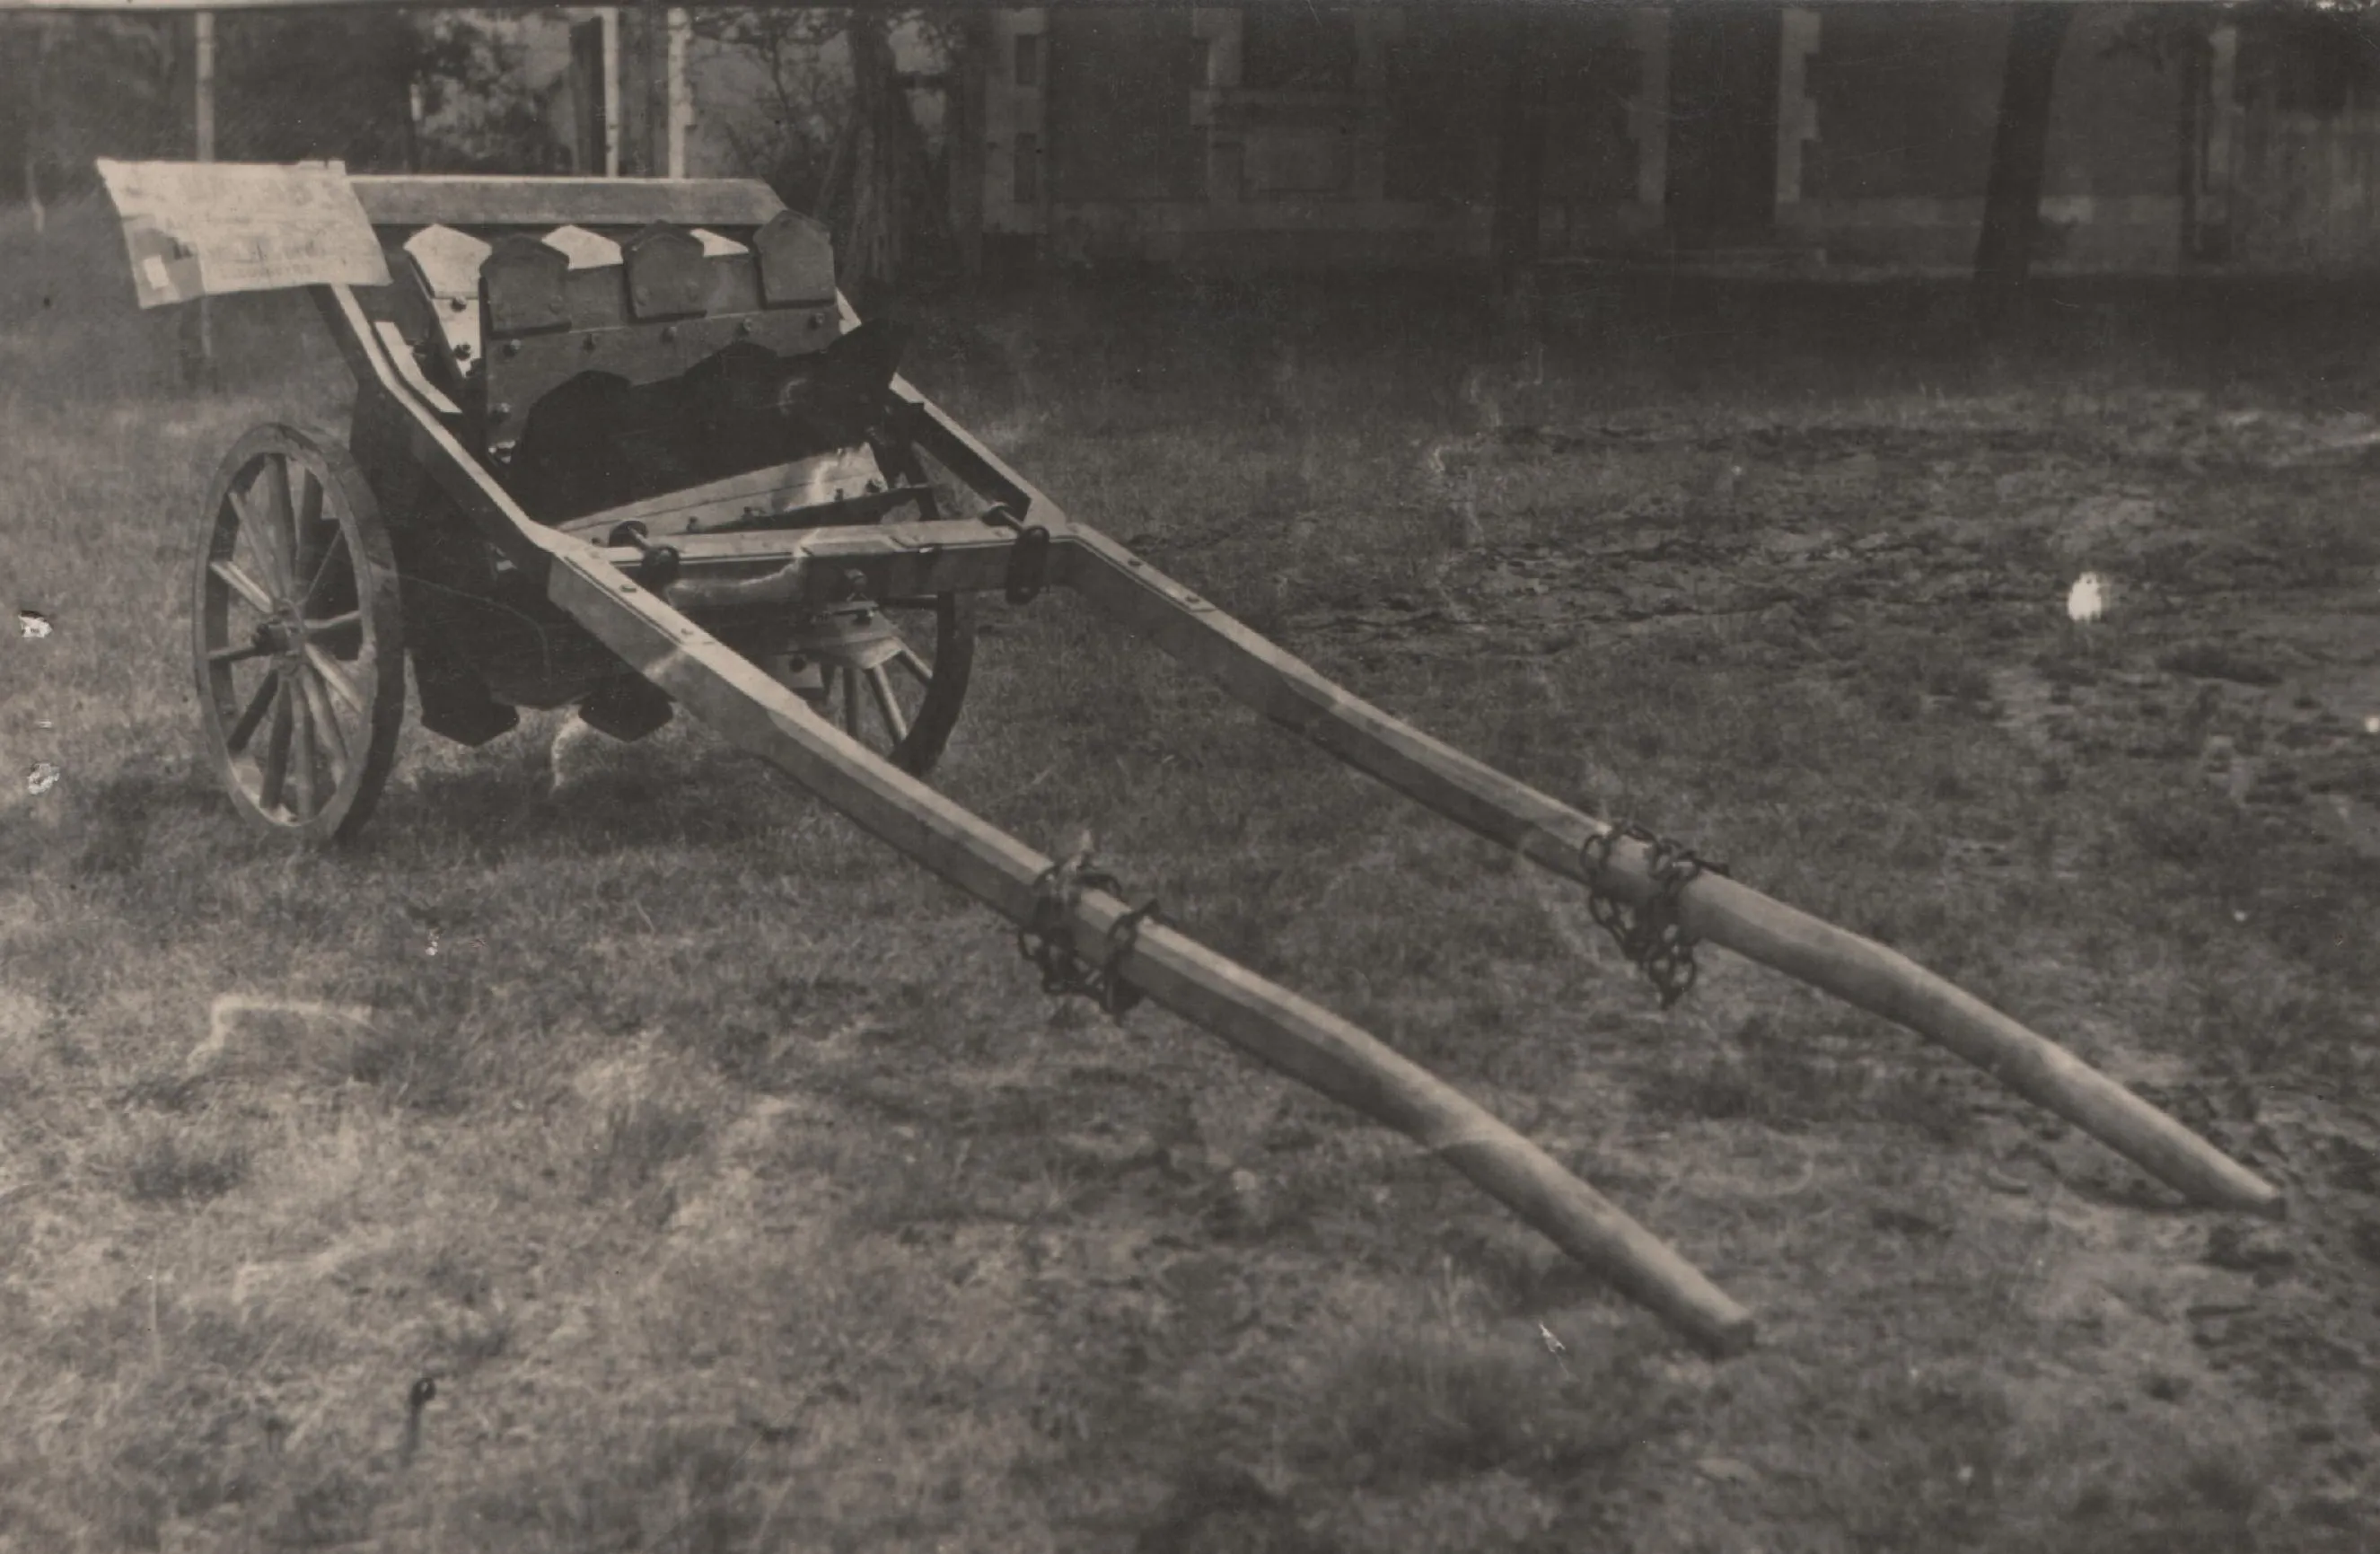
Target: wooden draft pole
<point>1304,1040</point>
<point>1556,837</point>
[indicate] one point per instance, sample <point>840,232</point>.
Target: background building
<point>1833,137</point>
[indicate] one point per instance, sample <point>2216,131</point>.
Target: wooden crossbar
<point>417,199</point>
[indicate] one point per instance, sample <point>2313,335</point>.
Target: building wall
<point>1907,98</point>
<point>2301,127</point>
<point>1306,137</point>
<point>1298,135</point>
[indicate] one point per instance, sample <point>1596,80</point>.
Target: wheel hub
<point>857,639</point>
<point>281,636</point>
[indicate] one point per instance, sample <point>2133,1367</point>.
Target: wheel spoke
<point>304,559</point>
<point>253,714</point>
<point>881,685</point>
<point>263,540</point>
<point>306,494</point>
<point>243,530</point>
<point>276,748</point>
<point>238,654</point>
<point>918,667</point>
<point>250,594</point>
<point>334,675</point>
<point>281,520</point>
<point>329,624</point>
<point>302,766</point>
<point>330,736</point>
<point>322,565</point>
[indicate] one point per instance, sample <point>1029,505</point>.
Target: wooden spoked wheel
<point>891,674</point>
<point>298,638</point>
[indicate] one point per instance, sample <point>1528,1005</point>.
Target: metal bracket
<point>657,566</point>
<point>1028,560</point>
<point>1028,565</point>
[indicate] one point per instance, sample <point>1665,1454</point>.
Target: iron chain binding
<point>1651,936</point>
<point>1047,945</point>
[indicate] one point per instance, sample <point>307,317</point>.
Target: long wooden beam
<point>486,199</point>
<point>1302,1039</point>
<point>1552,834</point>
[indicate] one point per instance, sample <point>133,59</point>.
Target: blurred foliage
<point>383,91</point>
<point>805,94</point>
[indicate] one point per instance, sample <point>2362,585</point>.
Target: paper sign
<point>203,228</point>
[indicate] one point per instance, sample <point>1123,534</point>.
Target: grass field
<point>737,1188</point>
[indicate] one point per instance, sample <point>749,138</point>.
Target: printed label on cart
<point>204,228</point>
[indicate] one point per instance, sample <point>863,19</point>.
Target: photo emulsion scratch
<point>1406,778</point>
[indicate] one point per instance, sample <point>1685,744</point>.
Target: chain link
<point>1046,942</point>
<point>1651,936</point>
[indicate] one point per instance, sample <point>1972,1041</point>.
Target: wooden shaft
<point>1302,1039</point>
<point>1855,969</point>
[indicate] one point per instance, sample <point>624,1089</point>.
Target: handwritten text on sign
<point>200,229</point>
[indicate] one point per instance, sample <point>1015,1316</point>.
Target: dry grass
<point>740,1192</point>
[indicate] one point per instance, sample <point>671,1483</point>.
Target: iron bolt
<point>512,347</point>
<point>669,332</point>
<point>498,412</point>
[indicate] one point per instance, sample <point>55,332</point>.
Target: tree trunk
<point>871,233</point>
<point>970,75</point>
<point>2020,150</point>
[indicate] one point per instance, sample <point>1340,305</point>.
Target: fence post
<point>197,323</point>
<point>681,99</point>
<point>610,20</point>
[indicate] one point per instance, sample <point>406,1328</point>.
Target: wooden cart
<point>619,445</point>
